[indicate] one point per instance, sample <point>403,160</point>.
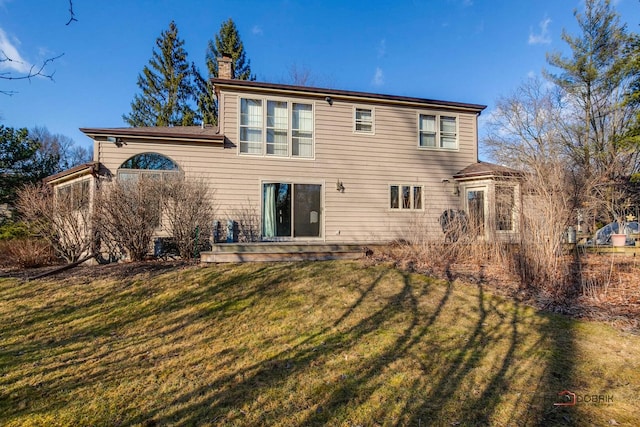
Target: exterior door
<point>291,210</point>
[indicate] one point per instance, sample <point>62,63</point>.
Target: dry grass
<point>331,343</point>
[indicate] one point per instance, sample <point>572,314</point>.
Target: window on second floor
<point>405,197</point>
<point>363,120</point>
<point>436,131</point>
<point>283,129</point>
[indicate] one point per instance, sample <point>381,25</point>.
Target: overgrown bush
<point>126,215</point>
<point>187,214</point>
<point>26,253</point>
<point>60,220</point>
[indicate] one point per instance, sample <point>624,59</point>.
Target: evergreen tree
<point>22,162</point>
<point>594,80</point>
<point>228,42</point>
<point>167,86</point>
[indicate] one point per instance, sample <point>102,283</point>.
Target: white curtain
<point>269,213</point>
<point>302,126</point>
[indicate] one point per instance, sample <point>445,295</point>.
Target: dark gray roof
<point>486,170</point>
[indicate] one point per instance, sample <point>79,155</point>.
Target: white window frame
<point>290,131</point>
<point>412,199</point>
<point>438,132</point>
<point>357,122</point>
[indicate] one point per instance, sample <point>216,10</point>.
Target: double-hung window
<point>276,128</point>
<point>405,197</point>
<point>437,131</point>
<point>363,120</point>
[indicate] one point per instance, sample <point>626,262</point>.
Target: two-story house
<point>322,165</point>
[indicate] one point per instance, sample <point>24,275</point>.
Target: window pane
<point>406,197</point>
<point>302,117</point>
<point>364,120</point>
<point>427,139</point>
<point>306,210</point>
<point>251,112</point>
<point>394,197</point>
<point>448,132</point>
<point>427,123</point>
<point>505,203</point>
<point>448,124</point>
<point>277,114</point>
<point>417,197</point>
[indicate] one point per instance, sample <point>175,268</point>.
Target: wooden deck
<point>270,251</point>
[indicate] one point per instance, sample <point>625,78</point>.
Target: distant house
<point>319,164</point>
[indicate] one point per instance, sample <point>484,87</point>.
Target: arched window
<point>152,165</point>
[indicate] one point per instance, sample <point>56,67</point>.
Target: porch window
<point>75,195</point>
<point>505,207</point>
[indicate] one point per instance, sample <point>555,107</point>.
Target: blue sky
<point>458,50</point>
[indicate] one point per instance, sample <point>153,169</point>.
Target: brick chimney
<point>225,67</point>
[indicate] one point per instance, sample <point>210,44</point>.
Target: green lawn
<point>297,344</point>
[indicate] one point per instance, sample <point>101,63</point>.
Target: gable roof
<point>487,170</point>
<point>344,95</point>
<point>206,134</point>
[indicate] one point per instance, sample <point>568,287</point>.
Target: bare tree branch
<point>72,16</point>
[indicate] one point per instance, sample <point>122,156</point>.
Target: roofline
<point>347,95</point>
<point>141,133</point>
<point>74,172</point>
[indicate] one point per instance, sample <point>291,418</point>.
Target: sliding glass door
<point>291,210</point>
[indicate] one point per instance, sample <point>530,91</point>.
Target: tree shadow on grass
<point>402,350</point>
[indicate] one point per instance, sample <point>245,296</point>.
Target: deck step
<point>266,252</point>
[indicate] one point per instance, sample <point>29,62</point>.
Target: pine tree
<point>594,80</point>
<point>167,86</point>
<point>228,42</point>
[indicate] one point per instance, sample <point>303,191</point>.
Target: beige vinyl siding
<point>366,164</point>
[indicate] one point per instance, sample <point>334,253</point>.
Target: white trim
<point>412,202</point>
<point>290,103</point>
<point>438,115</point>
<point>292,182</point>
<point>355,120</point>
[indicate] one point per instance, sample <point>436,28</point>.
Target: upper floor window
<point>283,129</point>
<point>363,120</point>
<point>405,197</point>
<point>436,131</point>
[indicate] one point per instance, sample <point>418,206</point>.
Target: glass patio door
<point>291,210</point>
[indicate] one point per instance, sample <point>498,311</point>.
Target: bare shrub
<point>248,219</point>
<point>63,220</point>
<point>127,214</point>
<point>26,253</point>
<point>187,214</point>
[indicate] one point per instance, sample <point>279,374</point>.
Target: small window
<point>363,120</point>
<point>436,131</point>
<point>505,206</point>
<point>403,197</point>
